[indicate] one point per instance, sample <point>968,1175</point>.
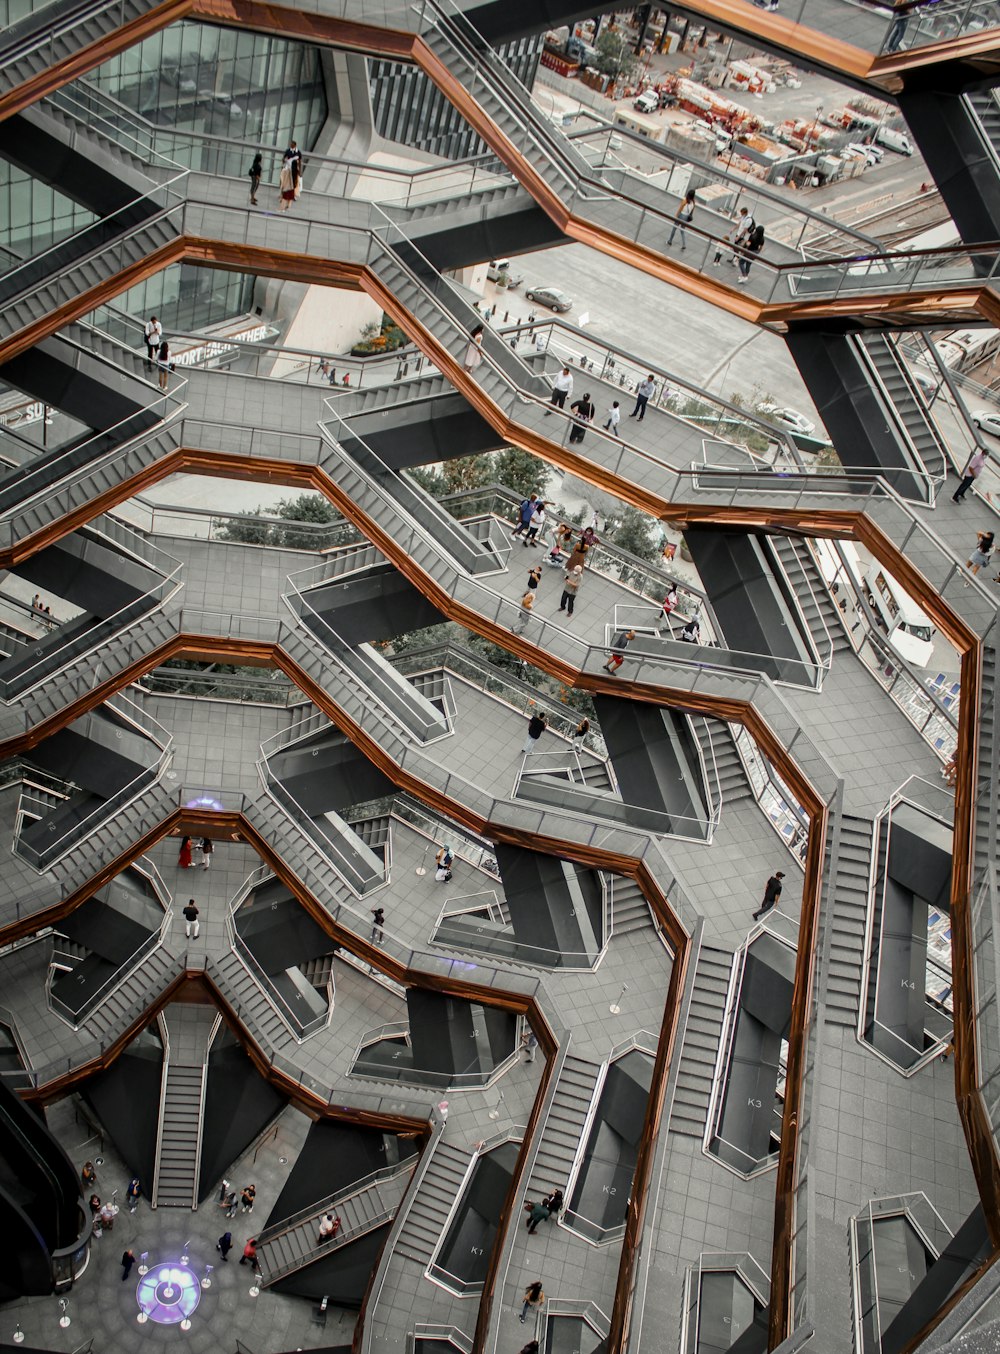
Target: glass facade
<point>221,81</point>
<point>408,108</point>
<point>34,216</point>
<point>185,297</point>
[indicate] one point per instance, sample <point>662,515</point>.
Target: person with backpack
<point>525,513</point>
<point>737,236</point>
<point>753,243</point>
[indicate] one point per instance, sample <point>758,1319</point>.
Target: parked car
<point>873,154</point>
<point>549,296</point>
<point>988,420</point>
<point>504,268</point>
<point>787,418</point>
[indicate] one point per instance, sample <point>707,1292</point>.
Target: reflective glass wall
<point>218,80</point>
<point>186,298</point>
<point>34,216</point>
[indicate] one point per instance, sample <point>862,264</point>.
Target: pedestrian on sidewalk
<point>536,1213</point>
<point>772,894</point>
<point>153,333</point>
<point>571,586</point>
<point>224,1245</point>
<point>524,614</point>
<point>191,922</point>
<point>643,394</point>
<point>617,657</point>
<point>583,414</point>
<point>249,1252</point>
<point>534,1296</point>
<point>562,387</point>
<point>682,218</point>
<point>474,352</point>
<point>184,854</point>
<point>614,418</point>
<point>970,474</point>
<point>248,1198</point>
<point>525,513</point>
<point>128,1260</point>
<point>981,555</point>
<point>537,725</point>
<point>255,171</point>
<point>378,923</point>
<point>207,847</point>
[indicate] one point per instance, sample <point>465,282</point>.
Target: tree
<point>467,472</point>
<point>520,471</point>
<point>308,507</point>
<point>633,534</point>
<point>615,57</point>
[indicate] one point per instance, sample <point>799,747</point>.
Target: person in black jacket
<point>255,171</point>
<point>537,725</point>
<point>772,894</point>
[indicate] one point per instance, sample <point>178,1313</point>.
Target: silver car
<point>549,296</point>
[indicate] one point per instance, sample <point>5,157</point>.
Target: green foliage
<point>634,533</point>
<point>310,508</point>
<point>446,632</point>
<point>519,470</point>
<point>615,57</point>
<point>467,472</point>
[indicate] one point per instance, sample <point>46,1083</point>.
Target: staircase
<point>131,997</point>
<point>242,993</point>
<point>596,775</point>
<point>986,109</point>
<point>432,686</point>
<point>629,908</point>
<point>188,1030</point>
<point>284,1249</point>
<point>714,736</point>
<point>563,1128</point>
<point>700,1048</point>
<point>822,616</point>
<point>432,1203</point>
<point>850,911</point>
<point>905,403</point>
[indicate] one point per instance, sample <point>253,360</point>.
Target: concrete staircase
<point>700,1047</point>
<point>432,1203</point>
<point>714,735</point>
<point>850,909</point>
<point>904,400</point>
<point>241,991</point>
<point>821,613</point>
<point>283,1249</point>
<point>185,1071</point>
<point>563,1128</point>
<point>629,909</point>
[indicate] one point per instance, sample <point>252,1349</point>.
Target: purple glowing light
<point>168,1294</point>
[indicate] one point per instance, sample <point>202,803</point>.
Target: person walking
<point>184,854</point>
<point>682,219</point>
<point>224,1245</point>
<point>249,1252</point>
<point>255,171</point>
<point>536,1213</point>
<point>530,1348</point>
<point>444,858</point>
<point>534,578</point>
<point>753,243</point>
<point>571,586</point>
<point>981,555</point>
<point>553,1203</point>
<point>133,1194</point>
<point>474,352</point>
<point>614,418</point>
<point>691,634</point>
<point>534,1296</point>
<point>286,186</point>
<point>247,1198</point>
<point>378,924</point>
<point>970,474</point>
<point>643,394</point>
<point>207,847</point>
<point>88,1175</point>
<point>743,225</point>
<point>583,413</point>
<point>529,1042</point>
<point>562,388</point>
<point>537,525</point>
<point>191,923</point>
<point>163,363</point>
<point>153,333</point>
<point>128,1260</point>
<point>668,608</point>
<point>525,513</point>
<point>537,725</point>
<point>329,1227</point>
<point>617,657</point>
<point>524,614</point>
<point>772,894</point>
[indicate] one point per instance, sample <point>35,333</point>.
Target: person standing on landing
<point>970,474</point>
<point>207,847</point>
<point>537,725</point>
<point>562,388</point>
<point>643,394</point>
<point>184,854</point>
<point>255,171</point>
<point>772,894</point>
<point>683,218</point>
<point>153,333</point>
<point>571,586</point>
<point>524,515</point>
<point>191,922</point>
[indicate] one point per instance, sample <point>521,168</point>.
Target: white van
<point>893,140</point>
<point>648,102</point>
<point>910,630</point>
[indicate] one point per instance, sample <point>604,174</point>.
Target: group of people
<point>192,854</point>
<point>289,179</point>
<point>40,608</point>
<point>529,526</point>
<point>549,1208</point>
<point>745,236</point>
<point>584,411</point>
<point>229,1202</point>
<point>157,350</point>
<point>538,723</point>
